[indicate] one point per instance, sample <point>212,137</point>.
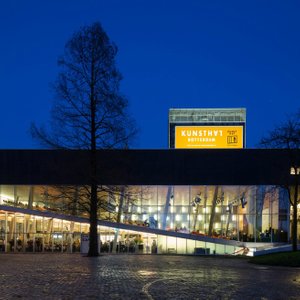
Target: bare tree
<point>287,136</point>
<point>89,111</point>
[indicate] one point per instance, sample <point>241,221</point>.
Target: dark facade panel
<point>147,167</point>
<point>43,167</point>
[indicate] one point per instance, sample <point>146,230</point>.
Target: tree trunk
<point>93,245</point>
<point>93,249</point>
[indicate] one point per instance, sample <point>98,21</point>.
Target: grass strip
<point>287,259</point>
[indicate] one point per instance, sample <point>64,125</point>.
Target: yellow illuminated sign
<point>206,137</point>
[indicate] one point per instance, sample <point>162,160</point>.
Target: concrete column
<point>6,240</point>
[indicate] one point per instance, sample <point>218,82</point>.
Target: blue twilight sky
<point>172,54</point>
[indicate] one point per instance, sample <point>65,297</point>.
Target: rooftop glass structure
<point>207,115</point>
<point>226,120</point>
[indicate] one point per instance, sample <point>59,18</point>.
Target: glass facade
<point>21,232</point>
<point>203,115</point>
<point>29,233</point>
<point>257,214</point>
<point>244,213</point>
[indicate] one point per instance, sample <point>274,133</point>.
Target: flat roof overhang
<point>148,167</point>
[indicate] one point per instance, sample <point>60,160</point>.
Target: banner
<point>206,137</point>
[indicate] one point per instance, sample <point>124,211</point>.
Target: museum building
<point>212,201</point>
<point>206,194</point>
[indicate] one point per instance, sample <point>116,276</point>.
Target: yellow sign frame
<point>209,137</point>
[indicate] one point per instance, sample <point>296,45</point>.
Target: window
<point>295,170</point>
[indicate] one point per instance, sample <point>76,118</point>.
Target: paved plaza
<point>71,276</point>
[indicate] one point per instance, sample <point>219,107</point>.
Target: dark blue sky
<point>171,53</point>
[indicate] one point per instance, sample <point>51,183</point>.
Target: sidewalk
<point>65,276</point>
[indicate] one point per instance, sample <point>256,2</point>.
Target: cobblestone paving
<point>71,276</point>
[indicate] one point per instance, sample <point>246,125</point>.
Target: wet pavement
<point>71,276</point>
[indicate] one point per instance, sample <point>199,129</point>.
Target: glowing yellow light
<point>206,210</point>
<point>217,225</point>
<point>295,170</point>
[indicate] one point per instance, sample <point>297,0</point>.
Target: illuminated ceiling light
<point>229,208</point>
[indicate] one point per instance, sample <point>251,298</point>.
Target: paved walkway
<point>71,276</point>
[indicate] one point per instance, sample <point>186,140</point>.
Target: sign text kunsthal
<point>209,137</point>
